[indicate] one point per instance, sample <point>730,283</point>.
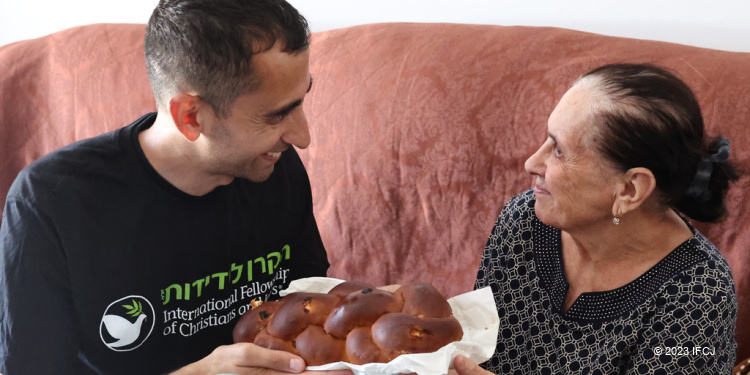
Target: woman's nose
<point>533,164</point>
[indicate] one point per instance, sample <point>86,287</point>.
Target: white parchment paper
<point>475,311</point>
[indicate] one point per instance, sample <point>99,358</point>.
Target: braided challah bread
<point>354,322</point>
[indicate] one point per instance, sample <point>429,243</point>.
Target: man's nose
<point>298,132</point>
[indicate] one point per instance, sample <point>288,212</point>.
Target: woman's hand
<point>464,366</point>
<point>249,359</point>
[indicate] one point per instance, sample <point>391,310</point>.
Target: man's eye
<point>558,152</point>
<point>276,119</point>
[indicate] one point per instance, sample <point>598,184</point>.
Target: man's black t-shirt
<point>107,268</point>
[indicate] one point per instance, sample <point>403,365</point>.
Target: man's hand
<point>464,366</point>
<point>390,288</point>
<point>248,359</point>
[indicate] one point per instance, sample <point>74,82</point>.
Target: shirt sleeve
<point>692,329</point>
<point>500,240</point>
<point>492,270</point>
<point>38,333</point>
<point>315,257</point>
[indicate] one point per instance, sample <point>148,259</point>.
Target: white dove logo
<point>118,329</point>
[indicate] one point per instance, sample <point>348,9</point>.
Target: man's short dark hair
<point>206,46</point>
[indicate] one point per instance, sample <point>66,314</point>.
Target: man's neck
<point>176,159</point>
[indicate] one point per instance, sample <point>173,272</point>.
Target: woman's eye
<point>558,152</point>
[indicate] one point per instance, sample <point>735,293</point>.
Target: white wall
<point>719,24</point>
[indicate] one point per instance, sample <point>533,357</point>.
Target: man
<point>136,251</point>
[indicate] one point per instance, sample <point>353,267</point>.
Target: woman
<point>596,270</point>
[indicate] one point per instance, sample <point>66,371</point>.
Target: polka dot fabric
<point>677,318</point>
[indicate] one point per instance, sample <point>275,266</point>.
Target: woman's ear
<point>633,190</point>
<point>184,110</point>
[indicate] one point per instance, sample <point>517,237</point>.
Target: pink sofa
<point>419,131</point>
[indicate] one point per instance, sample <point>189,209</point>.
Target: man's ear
<point>633,190</point>
<point>184,110</point>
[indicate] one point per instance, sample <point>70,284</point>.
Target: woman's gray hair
<point>645,116</point>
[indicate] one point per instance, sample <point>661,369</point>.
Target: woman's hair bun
<point>704,199</point>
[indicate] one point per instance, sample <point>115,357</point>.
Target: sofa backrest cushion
<point>419,131</point>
